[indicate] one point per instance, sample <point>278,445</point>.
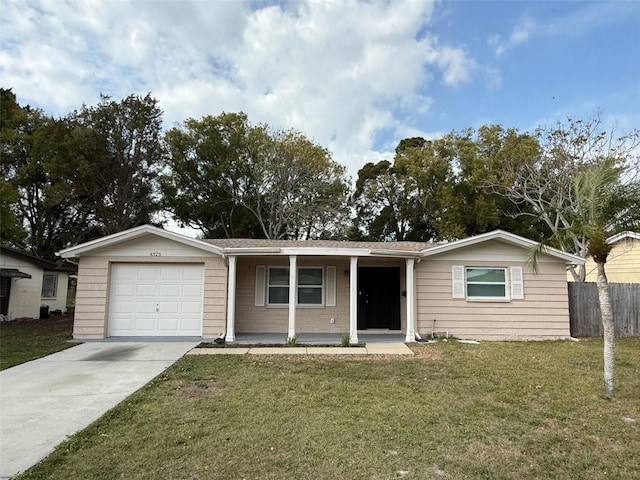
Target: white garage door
<point>156,300</point>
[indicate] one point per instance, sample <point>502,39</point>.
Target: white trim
<point>622,236</point>
<point>293,281</point>
<point>322,287</point>
<point>482,298</point>
<point>410,333</point>
<point>353,300</point>
<point>133,233</point>
<point>231,301</point>
<point>505,237</point>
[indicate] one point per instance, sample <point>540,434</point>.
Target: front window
<point>278,286</point>
<point>309,289</point>
<point>49,285</point>
<point>486,282</point>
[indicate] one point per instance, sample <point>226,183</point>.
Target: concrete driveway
<point>44,401</point>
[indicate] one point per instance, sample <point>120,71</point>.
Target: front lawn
<point>513,410</point>
<point>25,340</point>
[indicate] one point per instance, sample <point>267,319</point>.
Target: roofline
<point>133,233</point>
<point>622,235</point>
<point>40,262</point>
<point>506,237</point>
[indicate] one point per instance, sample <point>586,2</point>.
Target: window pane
<point>310,296</point>
<point>485,275</point>
<point>496,290</point>
<point>279,276</point>
<point>310,276</point>
<point>49,284</point>
<point>278,295</point>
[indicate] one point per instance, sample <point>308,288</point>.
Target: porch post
<point>293,287</point>
<point>231,301</point>
<point>411,312</point>
<point>353,301</point>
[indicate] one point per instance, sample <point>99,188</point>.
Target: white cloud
<point>339,71</point>
<point>520,34</point>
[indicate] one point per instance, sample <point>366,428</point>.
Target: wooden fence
<point>584,309</point>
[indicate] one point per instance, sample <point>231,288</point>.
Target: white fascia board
<point>252,251</point>
<point>319,252</point>
<point>505,237</point>
<point>325,252</point>
<point>394,253</point>
<point>623,235</point>
<point>134,233</point>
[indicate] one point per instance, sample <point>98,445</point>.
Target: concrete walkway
<point>44,401</point>
<point>369,349</point>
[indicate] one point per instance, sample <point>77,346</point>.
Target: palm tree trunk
<point>608,329</point>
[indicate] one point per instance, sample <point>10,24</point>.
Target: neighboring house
<point>27,282</point>
<point>151,282</point>
<point>623,262</point>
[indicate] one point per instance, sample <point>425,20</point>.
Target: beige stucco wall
<point>542,314</point>
<point>24,298</point>
<point>271,319</point>
<point>92,294</point>
<point>623,263</point>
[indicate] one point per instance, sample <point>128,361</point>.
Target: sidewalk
<point>369,349</point>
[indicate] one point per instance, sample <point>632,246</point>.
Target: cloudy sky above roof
<point>355,76</point>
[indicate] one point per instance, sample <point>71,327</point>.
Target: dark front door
<point>5,290</point>
<point>379,297</point>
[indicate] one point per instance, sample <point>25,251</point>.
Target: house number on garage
<point>155,254</point>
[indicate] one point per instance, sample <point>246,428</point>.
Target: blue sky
<point>356,77</point>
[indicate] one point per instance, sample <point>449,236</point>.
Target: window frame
<point>55,285</point>
<point>504,283</point>
<point>321,287</point>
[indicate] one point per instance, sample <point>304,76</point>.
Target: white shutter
<point>457,281</point>
<point>331,286</point>
<point>517,283</point>
<point>260,271</point>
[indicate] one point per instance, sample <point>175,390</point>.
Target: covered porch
<point>367,297</point>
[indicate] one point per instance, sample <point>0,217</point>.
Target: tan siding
<point>92,295</point>
<point>542,314</point>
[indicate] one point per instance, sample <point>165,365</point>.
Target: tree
<point>542,185</point>
<point>252,181</point>
<point>605,203</point>
<point>441,189</point>
<point>38,212</point>
<point>114,154</point>
<point>208,163</point>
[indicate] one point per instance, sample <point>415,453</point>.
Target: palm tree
<point>606,200</point>
<point>606,204</point>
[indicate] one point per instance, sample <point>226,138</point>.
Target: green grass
<point>23,341</point>
<point>525,410</point>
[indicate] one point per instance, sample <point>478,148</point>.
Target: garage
<point>155,300</point>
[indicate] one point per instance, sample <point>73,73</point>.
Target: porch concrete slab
<point>219,351</point>
<point>336,350</point>
<point>278,351</point>
<point>44,401</point>
<point>388,349</point>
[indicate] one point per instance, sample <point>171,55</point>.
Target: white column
<point>411,307</point>
<point>353,301</point>
<point>231,301</point>
<point>293,288</point>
